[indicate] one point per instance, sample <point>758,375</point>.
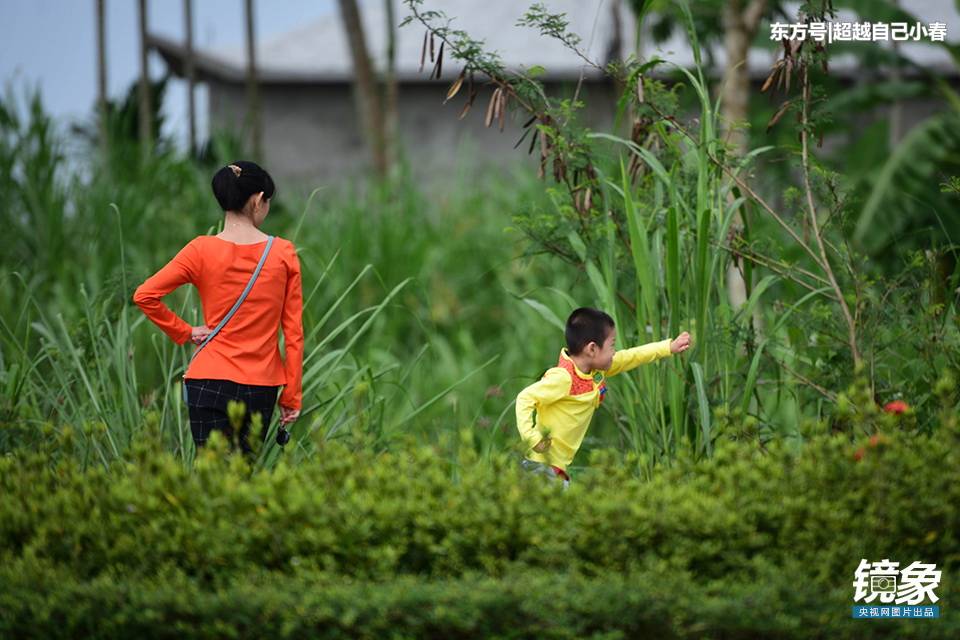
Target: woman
<point>242,362</point>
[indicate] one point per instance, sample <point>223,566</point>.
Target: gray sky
<point>51,44</point>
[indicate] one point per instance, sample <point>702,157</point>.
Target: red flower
<point>859,453</point>
<point>897,407</point>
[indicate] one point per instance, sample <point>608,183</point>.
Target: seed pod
<point>455,87</point>
<point>533,141</point>
<point>466,107</point>
<point>502,108</point>
<point>773,76</point>
<point>423,51</point>
<point>493,100</point>
<point>440,60</point>
<point>544,146</point>
<point>779,114</point>
<point>522,138</point>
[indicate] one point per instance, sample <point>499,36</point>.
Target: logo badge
<point>888,591</point>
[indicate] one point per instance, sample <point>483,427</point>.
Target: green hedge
<point>415,512</point>
<point>752,543</point>
<point>661,603</point>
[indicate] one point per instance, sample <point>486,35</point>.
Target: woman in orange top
<point>242,362</point>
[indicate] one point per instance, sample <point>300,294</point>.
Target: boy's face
<point>601,356</point>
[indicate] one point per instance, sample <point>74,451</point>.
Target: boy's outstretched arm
<point>554,385</point>
<point>628,359</point>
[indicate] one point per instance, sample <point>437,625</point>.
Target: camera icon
<point>883,584</point>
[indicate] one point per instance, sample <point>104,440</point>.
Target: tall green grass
<point>666,273</point>
<point>408,326</point>
<point>425,311</point>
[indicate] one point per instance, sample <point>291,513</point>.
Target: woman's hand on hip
<point>288,415</point>
<point>199,334</point>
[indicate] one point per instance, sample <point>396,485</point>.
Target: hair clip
<point>236,170</point>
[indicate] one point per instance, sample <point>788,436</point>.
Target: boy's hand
<point>681,344</point>
<point>543,445</point>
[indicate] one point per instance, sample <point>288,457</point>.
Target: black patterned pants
<point>207,403</point>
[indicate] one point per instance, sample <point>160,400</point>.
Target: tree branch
<point>812,211</point>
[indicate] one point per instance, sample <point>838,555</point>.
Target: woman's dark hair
<point>586,325</point>
<point>235,183</point>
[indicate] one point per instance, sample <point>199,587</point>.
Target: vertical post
<point>895,117</point>
<point>391,98</point>
<point>369,103</point>
<point>146,113</point>
<point>102,75</point>
<point>253,95</point>
<point>191,76</point>
<point>740,20</point>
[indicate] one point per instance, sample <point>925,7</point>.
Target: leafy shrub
<point>413,542</point>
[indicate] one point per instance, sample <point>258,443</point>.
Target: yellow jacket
<point>565,398</point>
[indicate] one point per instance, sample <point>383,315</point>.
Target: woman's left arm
<point>184,268</point>
<point>291,321</point>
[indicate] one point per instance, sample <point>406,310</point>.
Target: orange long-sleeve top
<point>247,349</point>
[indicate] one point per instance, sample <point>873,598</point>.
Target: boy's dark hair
<point>235,183</point>
<point>586,325</point>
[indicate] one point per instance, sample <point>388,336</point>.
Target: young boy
<point>566,397</point>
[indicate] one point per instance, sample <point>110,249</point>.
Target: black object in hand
<point>283,436</point>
